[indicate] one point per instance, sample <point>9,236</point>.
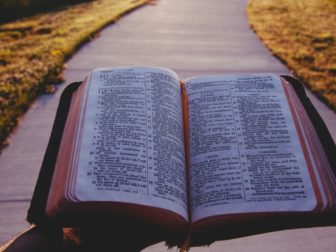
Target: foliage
<point>11,9</point>
<point>302,33</point>
<point>33,51</point>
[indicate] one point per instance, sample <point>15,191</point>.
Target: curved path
<point>192,37</point>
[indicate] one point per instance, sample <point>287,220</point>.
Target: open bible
<point>194,154</point>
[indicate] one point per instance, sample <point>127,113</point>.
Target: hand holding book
<point>192,155</point>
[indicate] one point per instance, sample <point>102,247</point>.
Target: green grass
<point>302,34</point>
<point>33,51</point>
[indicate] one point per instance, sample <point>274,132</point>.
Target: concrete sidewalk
<point>192,37</point>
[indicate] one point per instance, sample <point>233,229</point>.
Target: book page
<point>132,144</point>
<point>325,178</point>
<point>245,153</point>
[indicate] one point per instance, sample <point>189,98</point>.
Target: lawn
<point>302,34</point>
<point>33,51</point>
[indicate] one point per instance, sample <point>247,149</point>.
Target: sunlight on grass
<point>302,33</point>
<point>33,50</point>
